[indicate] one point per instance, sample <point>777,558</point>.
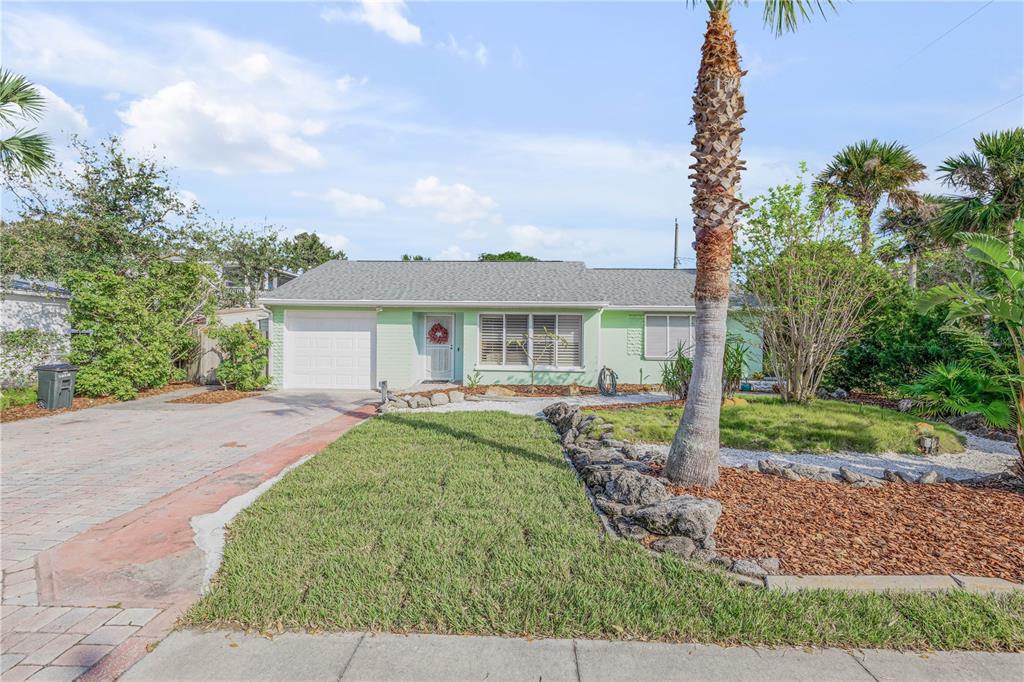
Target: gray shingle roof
<point>488,282</point>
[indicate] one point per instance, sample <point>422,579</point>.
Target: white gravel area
<point>983,456</point>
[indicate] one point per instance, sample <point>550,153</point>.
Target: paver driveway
<point>95,543</point>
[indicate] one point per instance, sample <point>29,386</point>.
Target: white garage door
<point>327,349</point>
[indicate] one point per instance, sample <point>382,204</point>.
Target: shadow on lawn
<point>418,422</point>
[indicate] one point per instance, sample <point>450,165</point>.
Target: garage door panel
<point>329,350</point>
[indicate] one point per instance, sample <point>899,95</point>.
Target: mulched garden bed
<point>216,396</point>
<point>632,406</point>
<point>820,528</point>
<point>32,411</point>
<point>533,391</point>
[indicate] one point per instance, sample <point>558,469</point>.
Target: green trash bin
<point>56,387</point>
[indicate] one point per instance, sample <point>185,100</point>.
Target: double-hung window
<point>665,334</point>
<point>511,340</point>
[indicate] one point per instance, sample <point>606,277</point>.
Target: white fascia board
<point>429,304</point>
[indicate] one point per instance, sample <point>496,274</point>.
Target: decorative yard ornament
<point>438,334</point>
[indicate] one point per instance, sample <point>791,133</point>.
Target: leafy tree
<point>914,227</point>
<point>306,250</point>
<point>1001,303</point>
<point>141,325</point>
<point>992,182</point>
<point>812,289</point>
<point>23,152</point>
<point>505,256</point>
<point>113,211</point>
<point>243,351</point>
<point>247,258</point>
<point>407,258</point>
<point>718,110</point>
<point>866,172</point>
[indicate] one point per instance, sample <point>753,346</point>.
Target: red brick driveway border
<point>144,566</point>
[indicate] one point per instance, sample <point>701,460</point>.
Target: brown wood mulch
<point>819,528</point>
<point>633,406</point>
<point>33,411</point>
<point>216,396</point>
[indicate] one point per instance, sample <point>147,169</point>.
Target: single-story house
<point>352,324</point>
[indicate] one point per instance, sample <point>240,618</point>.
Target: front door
<point>440,346</point>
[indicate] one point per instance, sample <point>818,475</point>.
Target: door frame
<point>451,346</point>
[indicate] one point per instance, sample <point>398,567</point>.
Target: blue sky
<point>447,129</point>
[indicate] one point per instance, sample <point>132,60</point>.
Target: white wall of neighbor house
<point>34,311</point>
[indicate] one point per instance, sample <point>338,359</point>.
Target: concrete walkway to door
<point>98,552</point>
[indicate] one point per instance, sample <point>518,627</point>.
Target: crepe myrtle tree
<point>813,290</point>
<point>718,110</point>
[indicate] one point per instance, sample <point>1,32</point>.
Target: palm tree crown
<point>915,226</point>
<point>867,171</point>
<point>992,180</point>
<point>24,151</point>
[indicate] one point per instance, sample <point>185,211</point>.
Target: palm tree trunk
<point>864,215</point>
<point>912,271</point>
<point>717,114</point>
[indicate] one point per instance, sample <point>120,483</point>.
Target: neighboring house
<point>29,304</point>
<point>353,324</point>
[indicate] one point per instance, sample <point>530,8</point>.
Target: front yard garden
<point>770,424</point>
<point>473,522</point>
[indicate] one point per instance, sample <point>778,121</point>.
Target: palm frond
<point>25,151</point>
<point>18,97</point>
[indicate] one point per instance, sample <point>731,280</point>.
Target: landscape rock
<point>597,475</point>
<point>894,476</point>
<point>499,391</point>
<point>613,509</point>
<point>678,545</point>
<point>840,394</point>
<point>748,568</point>
<point>456,396</point>
<point>859,479</point>
<point>569,437</point>
<point>771,565</point>
<point>419,401</point>
<point>905,405</point>
<point>439,399</point>
<point>811,472</point>
<point>631,488</point>
<point>385,408</point>
<point>694,517</point>
<point>968,422</point>
<point>930,478</point>
<point>628,529</point>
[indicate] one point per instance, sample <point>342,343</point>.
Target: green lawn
<point>472,522</point>
<point>16,397</point>
<point>770,424</point>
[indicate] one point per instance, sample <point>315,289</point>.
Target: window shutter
<point>570,341</point>
<point>544,340</point>
<point>679,335</point>
<point>491,339</point>
<point>516,332</point>
<point>656,336</point>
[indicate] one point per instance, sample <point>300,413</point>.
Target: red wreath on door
<point>438,334</point>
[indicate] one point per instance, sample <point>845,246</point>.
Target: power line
<point>970,120</point>
<point>950,30</point>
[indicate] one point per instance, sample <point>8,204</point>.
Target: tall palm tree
<point>717,116</point>
<point>865,172</point>
<point>24,151</point>
<point>915,227</point>
<point>993,179</point>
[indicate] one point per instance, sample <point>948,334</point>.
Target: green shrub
<point>243,350</point>
<point>16,397</point>
<point>957,388</point>
<point>141,325</point>
<point>676,373</point>
<point>23,349</point>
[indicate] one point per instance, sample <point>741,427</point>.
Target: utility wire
<point>970,120</point>
<point>950,30</point>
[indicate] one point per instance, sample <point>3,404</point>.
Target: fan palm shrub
<point>957,388</point>
<point>24,151</point>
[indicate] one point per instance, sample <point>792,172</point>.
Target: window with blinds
<point>551,340</point>
<point>665,334</point>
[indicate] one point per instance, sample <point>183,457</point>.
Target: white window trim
<point>529,325</point>
<point>665,315</point>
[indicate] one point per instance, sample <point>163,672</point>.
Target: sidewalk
<point>231,655</point>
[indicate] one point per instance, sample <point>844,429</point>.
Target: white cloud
<point>333,240</point>
<point>455,252</point>
<point>471,234</point>
<point>384,16</point>
<point>188,197</point>
<point>59,117</point>
<point>454,204</point>
<point>347,204</point>
<point>468,52</point>
<point>531,236</point>
<point>112,96</point>
<point>518,59</point>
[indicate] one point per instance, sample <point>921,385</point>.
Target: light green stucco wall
<point>611,338</point>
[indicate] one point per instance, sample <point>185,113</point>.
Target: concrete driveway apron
<point>97,550</point>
